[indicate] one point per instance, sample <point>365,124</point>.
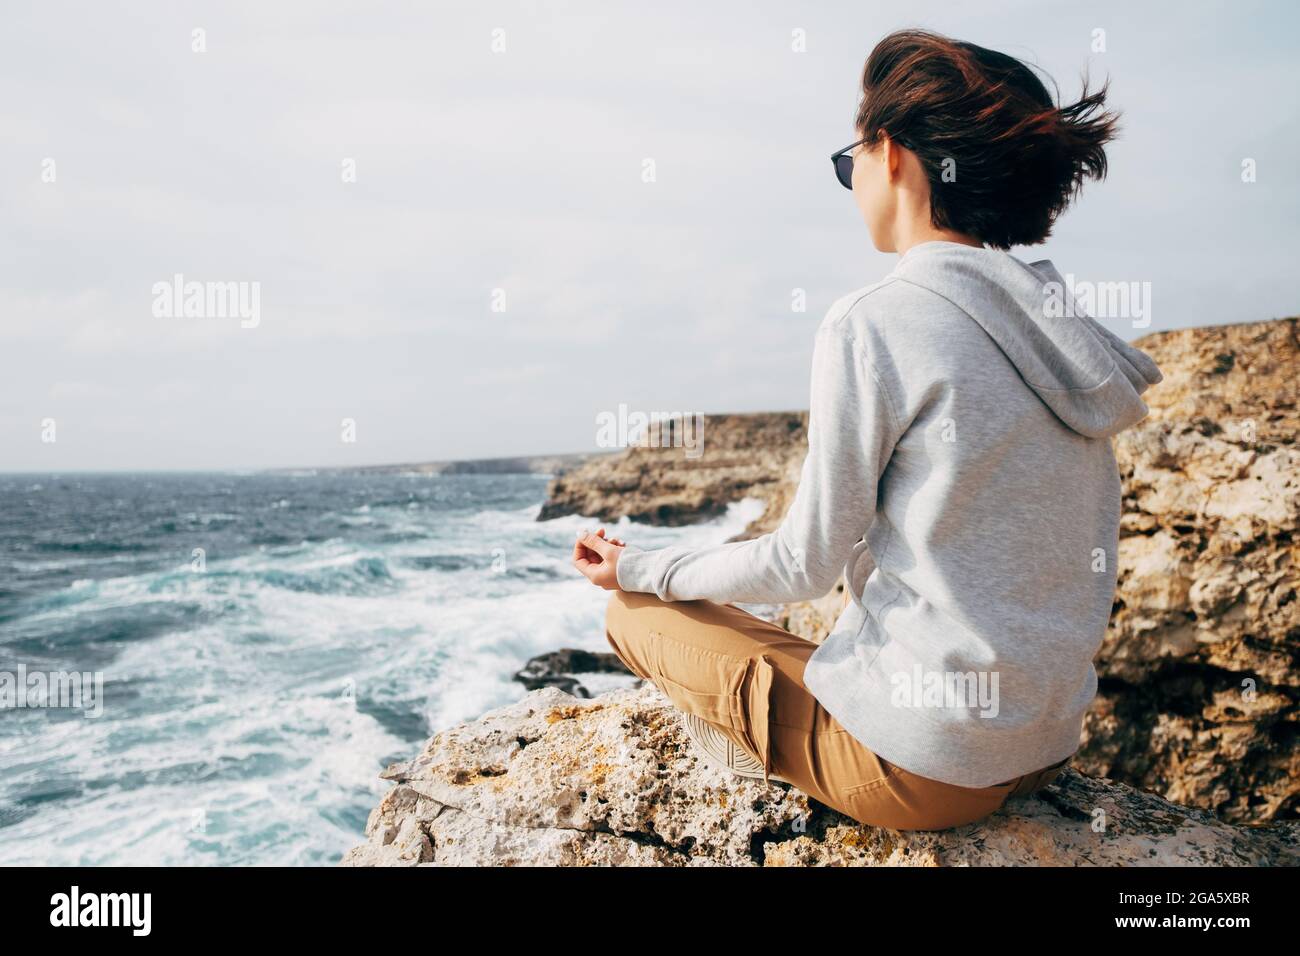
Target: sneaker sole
<point>721,751</point>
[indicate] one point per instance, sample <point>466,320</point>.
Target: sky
<point>459,251</point>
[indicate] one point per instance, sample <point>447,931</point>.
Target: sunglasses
<point>842,159</point>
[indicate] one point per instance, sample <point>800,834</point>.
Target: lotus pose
<point>959,476</point>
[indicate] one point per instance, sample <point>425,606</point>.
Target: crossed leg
<point>744,676</point>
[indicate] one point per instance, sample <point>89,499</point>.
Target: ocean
<point>267,643</point>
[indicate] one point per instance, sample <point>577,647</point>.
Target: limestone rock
<point>557,781</point>
<point>1198,678</point>
<point>743,456</point>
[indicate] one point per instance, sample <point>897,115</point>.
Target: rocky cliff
<point>1198,673</point>
<point>742,456</point>
<point>557,781</point>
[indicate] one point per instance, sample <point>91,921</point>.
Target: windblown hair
<point>1015,158</point>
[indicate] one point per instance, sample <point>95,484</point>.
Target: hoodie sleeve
<point>852,430</point>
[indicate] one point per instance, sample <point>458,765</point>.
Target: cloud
<point>522,171</point>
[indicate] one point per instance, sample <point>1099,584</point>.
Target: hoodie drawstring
<point>849,568</point>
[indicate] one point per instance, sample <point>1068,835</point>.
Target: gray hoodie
<point>959,461</point>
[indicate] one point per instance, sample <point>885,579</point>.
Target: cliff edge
<point>557,781</point>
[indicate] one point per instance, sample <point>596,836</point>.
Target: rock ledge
<point>557,781</point>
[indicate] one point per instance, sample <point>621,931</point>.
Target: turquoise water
<point>250,697</point>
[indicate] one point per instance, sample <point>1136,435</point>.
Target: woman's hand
<point>597,558</point>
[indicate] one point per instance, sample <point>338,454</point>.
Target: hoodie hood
<point>1091,379</point>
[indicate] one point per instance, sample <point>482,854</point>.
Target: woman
<point>959,471</point>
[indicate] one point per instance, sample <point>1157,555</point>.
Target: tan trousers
<point>745,676</point>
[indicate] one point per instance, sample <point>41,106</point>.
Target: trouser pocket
<point>732,693</point>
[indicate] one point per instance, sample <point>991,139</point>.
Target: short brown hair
<point>1016,158</point>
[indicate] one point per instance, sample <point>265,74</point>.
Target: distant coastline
<point>510,465</point>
